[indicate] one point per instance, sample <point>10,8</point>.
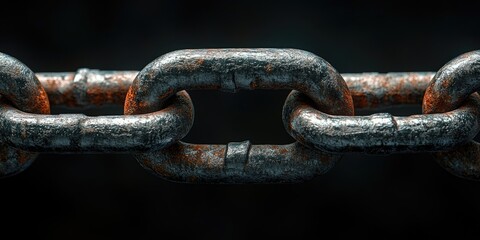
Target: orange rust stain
<point>446,83</point>
<point>22,157</point>
<point>100,96</point>
<point>167,94</point>
<point>134,107</point>
<point>282,150</point>
<point>279,149</point>
<point>41,103</point>
<point>360,100</point>
<point>253,84</point>
<point>200,61</point>
<point>96,95</point>
<point>130,104</point>
<point>400,98</point>
<point>268,68</point>
<point>197,147</point>
<point>219,153</point>
<point>348,103</point>
<point>433,103</point>
<point>142,105</point>
<point>194,65</point>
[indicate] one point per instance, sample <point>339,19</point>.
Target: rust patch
<point>193,64</point>
<point>99,96</point>
<point>269,68</point>
<point>22,157</point>
<point>446,83</point>
<point>167,94</point>
<point>360,100</point>
<point>436,104</point>
<point>41,104</point>
<point>279,149</point>
<point>254,83</point>
<point>200,61</point>
<point>131,105</point>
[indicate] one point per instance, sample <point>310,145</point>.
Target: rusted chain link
<point>19,85</point>
<point>449,88</point>
<point>318,115</point>
<point>80,133</point>
<point>232,70</point>
<point>382,132</point>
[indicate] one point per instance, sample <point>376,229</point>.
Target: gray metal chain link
<point>318,113</point>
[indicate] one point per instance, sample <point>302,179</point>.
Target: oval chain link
<point>232,70</point>
<point>20,86</point>
<point>451,86</point>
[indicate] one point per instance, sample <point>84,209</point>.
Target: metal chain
<point>318,113</point>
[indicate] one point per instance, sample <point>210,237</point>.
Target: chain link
<point>318,113</point>
<point>19,85</point>
<point>451,85</point>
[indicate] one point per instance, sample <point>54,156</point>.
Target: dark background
<point>96,196</point>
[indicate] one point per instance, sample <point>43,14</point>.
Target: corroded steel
<point>376,90</point>
<point>237,163</point>
<point>368,90</point>
<point>21,88</point>
<point>449,88</point>
<point>80,133</point>
<point>159,114</point>
<point>234,69</point>
<point>87,87</point>
<point>382,132</point>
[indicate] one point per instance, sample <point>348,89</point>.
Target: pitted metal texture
<point>80,133</point>
<point>231,70</point>
<point>450,87</point>
<point>234,69</point>
<point>381,132</point>
<point>318,113</point>
<point>237,163</point>
<point>19,85</point>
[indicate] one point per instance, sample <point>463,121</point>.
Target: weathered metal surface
<point>237,163</point>
<point>87,87</point>
<point>449,88</point>
<point>462,161</point>
<point>368,90</point>
<point>453,83</point>
<point>231,70</point>
<point>376,90</point>
<point>235,69</point>
<point>451,105</point>
<point>19,85</point>
<point>380,133</point>
<point>80,133</point>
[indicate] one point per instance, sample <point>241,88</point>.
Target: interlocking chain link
<point>318,113</point>
<point>449,88</point>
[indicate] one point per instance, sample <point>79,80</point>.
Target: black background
<point>96,196</point>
